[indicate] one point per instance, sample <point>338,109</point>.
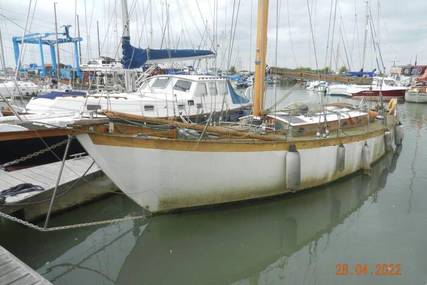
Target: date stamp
<point>364,269</point>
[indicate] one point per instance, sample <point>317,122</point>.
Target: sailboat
<point>166,165</point>
<point>418,91</point>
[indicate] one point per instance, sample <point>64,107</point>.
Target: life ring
<point>392,106</point>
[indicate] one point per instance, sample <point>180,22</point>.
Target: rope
<point>68,227</point>
<point>32,155</point>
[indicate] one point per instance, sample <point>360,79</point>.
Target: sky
<point>400,29</point>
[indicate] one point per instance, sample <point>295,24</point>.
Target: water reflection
<point>226,245</point>
<point>416,117</point>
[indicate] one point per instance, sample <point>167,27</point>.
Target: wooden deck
<point>13,271</point>
<point>45,176</point>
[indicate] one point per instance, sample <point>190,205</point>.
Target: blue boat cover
<point>236,98</point>
<point>360,73</point>
<point>53,94</point>
<point>136,57</point>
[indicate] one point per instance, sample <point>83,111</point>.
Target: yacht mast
<point>3,61</point>
<point>99,44</point>
<point>365,35</point>
<point>58,64</point>
<point>125,19</point>
<point>150,7</point>
<point>261,48</point>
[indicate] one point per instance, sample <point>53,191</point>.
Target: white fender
<point>388,142</point>
<point>293,168</point>
<point>399,133</point>
<point>340,158</point>
<point>366,157</point>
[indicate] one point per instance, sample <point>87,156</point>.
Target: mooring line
<point>68,227</point>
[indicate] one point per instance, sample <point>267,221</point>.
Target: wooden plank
<point>28,178</point>
<point>30,134</point>
<point>26,280</point>
<point>7,181</point>
<point>14,271</point>
<point>46,175</point>
<point>40,172</point>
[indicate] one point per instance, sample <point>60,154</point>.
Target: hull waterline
<point>161,175</point>
<point>416,97</point>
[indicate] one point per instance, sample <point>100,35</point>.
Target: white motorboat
<point>11,89</point>
<point>316,85</point>
<point>162,96</point>
<point>388,87</point>
<point>416,95</point>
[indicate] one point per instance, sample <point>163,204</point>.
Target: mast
<point>97,33</point>
<point>58,70</point>
<point>261,48</point>
<point>365,35</point>
<point>78,34</point>
<point>150,7</point>
<point>125,19</point>
<point>3,61</point>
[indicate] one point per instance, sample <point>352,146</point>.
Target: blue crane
<point>46,39</point>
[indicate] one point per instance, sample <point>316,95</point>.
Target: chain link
<point>32,155</point>
<point>68,227</point>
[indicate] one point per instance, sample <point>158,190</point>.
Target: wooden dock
<point>45,176</point>
<point>13,271</point>
<point>72,191</point>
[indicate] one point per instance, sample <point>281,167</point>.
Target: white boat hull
<point>338,90</point>
<point>162,179</point>
<point>416,97</point>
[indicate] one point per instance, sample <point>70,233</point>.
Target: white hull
<point>338,90</point>
<point>10,89</point>
<point>415,97</point>
<point>164,179</point>
<point>201,96</point>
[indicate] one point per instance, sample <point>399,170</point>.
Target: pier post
<point>58,179</point>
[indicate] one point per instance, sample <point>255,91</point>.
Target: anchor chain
<point>32,155</point>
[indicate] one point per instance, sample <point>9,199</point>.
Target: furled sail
<point>136,57</point>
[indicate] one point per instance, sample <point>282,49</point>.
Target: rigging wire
<point>233,28</point>
<point>329,31</point>
<point>312,35</point>
<point>291,42</point>
<point>333,32</point>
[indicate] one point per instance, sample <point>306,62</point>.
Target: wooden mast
<point>261,50</point>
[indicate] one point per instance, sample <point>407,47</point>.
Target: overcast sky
<point>401,28</point>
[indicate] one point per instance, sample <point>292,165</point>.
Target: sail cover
<point>361,73</point>
<point>136,57</point>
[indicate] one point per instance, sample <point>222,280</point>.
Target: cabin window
<point>181,107</point>
<point>161,83</point>
<point>199,105</point>
<point>182,85</point>
<point>190,102</point>
<point>212,89</point>
<point>148,108</point>
<point>201,90</point>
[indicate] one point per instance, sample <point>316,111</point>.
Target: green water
<point>293,239</point>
